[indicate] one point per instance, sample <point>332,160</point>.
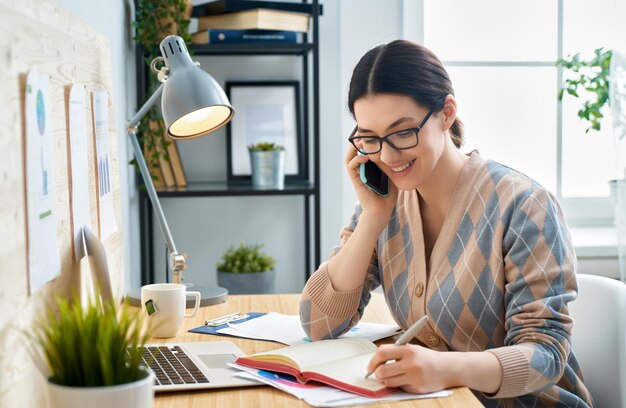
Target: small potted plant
<point>591,76</point>
<point>602,79</point>
<point>85,350</point>
<point>267,161</point>
<point>246,270</point>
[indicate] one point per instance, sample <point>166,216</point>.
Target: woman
<point>481,249</point>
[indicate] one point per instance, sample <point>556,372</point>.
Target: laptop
<point>176,366</point>
<point>194,365</point>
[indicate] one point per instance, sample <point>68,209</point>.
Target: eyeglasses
<point>400,140</point>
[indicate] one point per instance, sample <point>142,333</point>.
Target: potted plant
<point>85,350</point>
<point>600,78</point>
<point>593,77</point>
<point>267,161</point>
<point>246,270</point>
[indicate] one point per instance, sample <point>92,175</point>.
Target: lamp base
<point>208,296</point>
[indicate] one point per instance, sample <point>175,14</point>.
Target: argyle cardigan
<point>499,279</point>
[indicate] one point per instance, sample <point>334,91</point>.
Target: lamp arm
<point>177,261</point>
<point>132,124</point>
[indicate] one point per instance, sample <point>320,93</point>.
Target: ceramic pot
<point>247,283</point>
<point>138,394</point>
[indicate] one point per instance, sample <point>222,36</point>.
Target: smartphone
<point>374,178</point>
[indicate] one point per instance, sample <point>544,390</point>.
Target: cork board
<point>41,35</point>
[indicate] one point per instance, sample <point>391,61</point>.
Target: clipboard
<point>213,329</point>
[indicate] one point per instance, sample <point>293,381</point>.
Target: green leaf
<point>572,91</point>
<point>265,147</point>
<point>593,77</point>
<point>153,22</point>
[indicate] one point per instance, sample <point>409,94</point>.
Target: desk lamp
<point>192,104</point>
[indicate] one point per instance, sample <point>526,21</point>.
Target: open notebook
<point>341,363</point>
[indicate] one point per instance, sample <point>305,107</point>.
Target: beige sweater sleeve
<point>324,312</point>
<point>327,313</point>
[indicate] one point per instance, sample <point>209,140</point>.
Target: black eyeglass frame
<point>419,127</point>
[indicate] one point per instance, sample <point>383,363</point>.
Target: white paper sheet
<point>287,329</point>
<point>81,215</point>
<point>319,395</point>
<point>106,212</point>
<point>43,256</point>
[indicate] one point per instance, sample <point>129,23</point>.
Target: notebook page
<point>351,371</point>
<point>309,355</point>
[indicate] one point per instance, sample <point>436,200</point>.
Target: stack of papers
<point>287,329</point>
<point>319,395</point>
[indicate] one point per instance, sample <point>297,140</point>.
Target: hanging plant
<point>155,20</point>
<point>593,77</point>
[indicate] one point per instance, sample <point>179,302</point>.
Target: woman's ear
<point>449,112</point>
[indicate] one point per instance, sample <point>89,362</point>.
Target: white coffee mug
<point>164,304</point>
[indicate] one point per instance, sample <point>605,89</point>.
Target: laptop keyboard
<point>171,365</point>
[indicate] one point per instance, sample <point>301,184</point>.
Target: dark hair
<point>404,68</point>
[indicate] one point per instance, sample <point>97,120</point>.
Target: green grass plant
<point>85,346</point>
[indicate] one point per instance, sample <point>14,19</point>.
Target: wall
<point>112,18</point>
<point>41,35</point>
<point>363,25</point>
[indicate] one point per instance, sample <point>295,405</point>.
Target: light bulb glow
<point>200,122</point>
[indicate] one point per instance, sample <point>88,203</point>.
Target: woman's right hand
<point>373,205</point>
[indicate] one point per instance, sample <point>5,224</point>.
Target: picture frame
<point>267,111</point>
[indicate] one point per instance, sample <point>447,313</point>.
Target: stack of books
<point>169,172</point>
<point>250,21</point>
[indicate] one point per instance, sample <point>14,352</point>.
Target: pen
<point>408,335</point>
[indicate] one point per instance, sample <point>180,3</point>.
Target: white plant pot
<point>138,394</point>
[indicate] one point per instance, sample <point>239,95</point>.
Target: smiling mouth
<point>402,168</point>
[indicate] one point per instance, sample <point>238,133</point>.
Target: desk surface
<point>265,396</point>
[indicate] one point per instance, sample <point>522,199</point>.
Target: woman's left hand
<point>416,369</point>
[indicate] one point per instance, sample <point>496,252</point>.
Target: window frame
<point>579,211</point>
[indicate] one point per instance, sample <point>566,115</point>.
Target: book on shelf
<point>208,7</point>
<point>164,164</point>
<point>153,167</point>
<point>260,19</point>
<point>177,165</point>
<point>224,36</point>
<point>341,363</point>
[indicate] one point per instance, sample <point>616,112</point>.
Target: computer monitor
<point>94,249</point>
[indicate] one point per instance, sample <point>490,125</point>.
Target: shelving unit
<point>309,189</point>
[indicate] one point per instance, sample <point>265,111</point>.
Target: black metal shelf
<point>251,49</point>
<point>224,189</point>
<point>308,189</point>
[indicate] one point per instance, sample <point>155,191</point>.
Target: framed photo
<point>264,112</point>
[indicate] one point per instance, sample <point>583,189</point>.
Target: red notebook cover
<point>303,377</point>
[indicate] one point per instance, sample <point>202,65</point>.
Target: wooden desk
<point>265,396</point>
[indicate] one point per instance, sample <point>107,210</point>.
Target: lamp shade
<point>193,103</point>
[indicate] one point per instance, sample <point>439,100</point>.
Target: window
<point>501,58</point>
